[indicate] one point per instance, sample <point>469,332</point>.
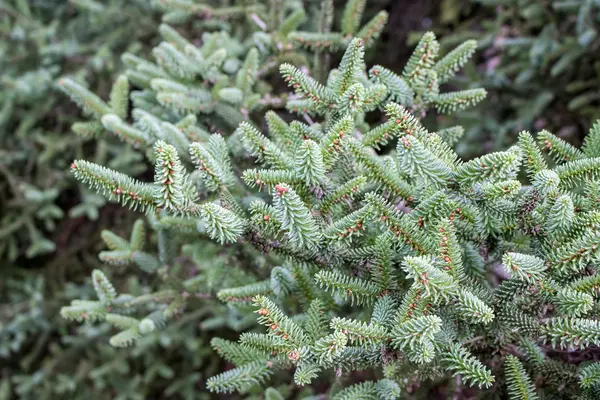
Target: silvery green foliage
<point>410,263</point>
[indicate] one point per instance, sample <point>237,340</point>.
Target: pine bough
<point>411,263</point>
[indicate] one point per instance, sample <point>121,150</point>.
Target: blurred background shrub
<point>538,60</point>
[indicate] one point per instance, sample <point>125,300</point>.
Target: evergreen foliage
<point>413,227</point>
<point>40,42</point>
<point>324,242</point>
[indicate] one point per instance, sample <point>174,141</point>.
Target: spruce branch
<point>222,225</point>
<point>590,375</point>
<point>352,15</point>
<point>237,353</point>
<point>360,332</point>
<point>371,31</point>
<point>262,148</point>
<point>591,143</point>
<point>415,331</point>
<point>573,303</point>
<point>421,60</point>
<point>450,102</point>
<point>112,184</point>
<point>309,163</point>
<point>559,150</point>
<point>295,217</point>
<point>473,309</point>
<point>458,359</point>
<point>278,323</point>
<point>244,294</point>
<point>241,378</point>
<point>455,60</point>
<point>359,291</point>
<point>435,283</point>
<point>322,97</point>
<point>532,156</point>
<point>351,63</point>
<point>523,266</point>
<point>494,167</point>
<point>420,163</point>
<point>169,178</point>
<point>518,382</point>
<point>576,332</point>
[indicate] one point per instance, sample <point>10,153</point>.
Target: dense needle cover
<point>339,246</point>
